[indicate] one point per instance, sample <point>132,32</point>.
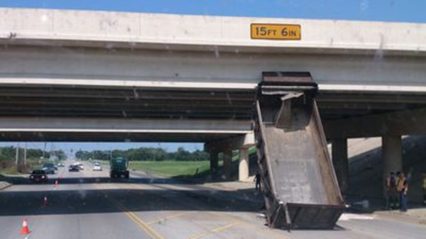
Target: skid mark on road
<point>234,221</point>
<point>207,232</point>
<point>176,215</point>
<point>135,219</point>
<point>147,229</point>
<point>213,231</point>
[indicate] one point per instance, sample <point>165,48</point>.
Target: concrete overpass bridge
<point>106,76</point>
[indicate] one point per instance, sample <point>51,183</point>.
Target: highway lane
<point>75,210</point>
<point>88,204</point>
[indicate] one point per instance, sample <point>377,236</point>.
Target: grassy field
<point>172,168</point>
<point>9,167</point>
<point>9,170</point>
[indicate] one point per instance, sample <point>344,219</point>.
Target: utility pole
<point>25,154</point>
<point>17,155</point>
<point>44,150</point>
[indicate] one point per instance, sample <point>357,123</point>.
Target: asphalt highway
<point>88,204</point>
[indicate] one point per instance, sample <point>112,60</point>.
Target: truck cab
<point>118,167</point>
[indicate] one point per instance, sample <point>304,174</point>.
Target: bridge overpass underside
<point>72,80</point>
<point>82,76</point>
<point>66,136</point>
<point>119,129</point>
<point>191,112</point>
<point>220,118</point>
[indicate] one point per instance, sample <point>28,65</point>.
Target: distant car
<point>97,167</point>
<point>49,168</point>
<point>79,164</point>
<point>38,176</point>
<point>60,165</point>
<point>74,168</point>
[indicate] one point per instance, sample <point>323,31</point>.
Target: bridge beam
<point>394,123</point>
<point>203,70</point>
<point>118,129</point>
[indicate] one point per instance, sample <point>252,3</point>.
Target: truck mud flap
<point>297,176</point>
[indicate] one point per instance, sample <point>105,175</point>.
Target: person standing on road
<point>402,187</point>
<point>257,181</point>
<point>391,191</point>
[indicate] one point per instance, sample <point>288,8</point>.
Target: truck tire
<point>126,174</point>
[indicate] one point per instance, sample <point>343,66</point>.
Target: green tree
<point>7,153</point>
<point>60,154</point>
<point>144,154</point>
<point>34,153</point>
<point>182,154</point>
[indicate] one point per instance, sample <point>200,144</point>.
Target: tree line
<point>144,154</point>
<point>9,153</point>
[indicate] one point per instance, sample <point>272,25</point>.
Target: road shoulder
<point>4,185</point>
<point>413,216</point>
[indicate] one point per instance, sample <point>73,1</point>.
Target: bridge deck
<point>178,32</point>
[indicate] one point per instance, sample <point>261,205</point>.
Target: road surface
<point>88,204</point>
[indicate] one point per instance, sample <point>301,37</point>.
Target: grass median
<point>171,168</point>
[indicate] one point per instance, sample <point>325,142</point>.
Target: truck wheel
<point>126,175</point>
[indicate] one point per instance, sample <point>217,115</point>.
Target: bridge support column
<point>339,153</point>
<point>225,146</point>
<point>214,162</point>
<point>243,167</point>
<point>391,155</point>
<point>227,163</point>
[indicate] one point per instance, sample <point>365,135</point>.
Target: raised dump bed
<point>298,179</point>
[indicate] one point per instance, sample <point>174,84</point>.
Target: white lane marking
<point>351,216</point>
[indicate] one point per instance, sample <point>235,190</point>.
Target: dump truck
<point>118,167</point>
<point>299,183</point>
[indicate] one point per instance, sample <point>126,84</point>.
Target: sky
<point>364,10</point>
<point>368,10</point>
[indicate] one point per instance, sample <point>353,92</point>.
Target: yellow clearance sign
<point>275,31</point>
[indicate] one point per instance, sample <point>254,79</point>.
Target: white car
<point>97,167</point>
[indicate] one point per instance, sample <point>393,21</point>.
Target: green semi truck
<point>118,167</point>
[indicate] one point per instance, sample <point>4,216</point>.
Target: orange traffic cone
<point>25,230</point>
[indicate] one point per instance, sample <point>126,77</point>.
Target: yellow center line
<point>214,231</point>
<point>134,218</point>
<point>209,232</point>
<point>137,220</point>
<point>163,218</point>
<point>149,230</point>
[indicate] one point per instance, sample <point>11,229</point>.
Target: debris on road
<point>4,185</point>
